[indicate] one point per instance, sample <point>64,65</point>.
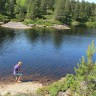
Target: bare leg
<point>18,80</point>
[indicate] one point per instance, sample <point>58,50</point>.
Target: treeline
<point>62,10</point>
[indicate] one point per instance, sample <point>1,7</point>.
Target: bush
<point>4,18</point>
<point>42,91</point>
<point>83,83</point>
<point>75,23</point>
<point>90,24</point>
<point>42,22</point>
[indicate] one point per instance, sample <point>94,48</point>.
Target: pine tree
<point>34,11</point>
<point>30,11</point>
<point>85,74</point>
<point>20,9</point>
<point>2,6</point>
<point>76,10</point>
<point>60,10</point>
<point>44,6</point>
<point>9,7</point>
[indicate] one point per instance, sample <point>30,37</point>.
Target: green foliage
<point>20,9</point>
<point>42,91</point>
<point>42,22</point>
<point>83,83</point>
<point>66,11</point>
<point>75,23</point>
<point>85,73</point>
<point>44,6</point>
<point>9,7</point>
<point>34,10</point>
<point>90,24</point>
<point>3,18</point>
<point>2,6</point>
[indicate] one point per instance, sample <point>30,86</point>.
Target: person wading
<point>16,72</point>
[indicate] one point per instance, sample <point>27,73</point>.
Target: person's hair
<point>19,63</point>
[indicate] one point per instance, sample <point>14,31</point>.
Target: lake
<point>45,53</point>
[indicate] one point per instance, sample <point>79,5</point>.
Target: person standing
<point>17,73</point>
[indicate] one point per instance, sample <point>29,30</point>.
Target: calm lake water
<point>46,53</point>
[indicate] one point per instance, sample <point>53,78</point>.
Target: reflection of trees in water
<point>32,35</point>
<point>46,35</point>
<point>57,38</point>
<point>38,34</point>
<point>6,35</point>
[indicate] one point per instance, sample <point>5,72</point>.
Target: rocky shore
<point>20,25</point>
<point>15,88</point>
<point>16,25</point>
<point>60,27</point>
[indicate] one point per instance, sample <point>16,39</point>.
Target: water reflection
<point>44,52</point>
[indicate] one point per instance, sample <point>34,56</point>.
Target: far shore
<point>20,25</point>
<point>16,25</point>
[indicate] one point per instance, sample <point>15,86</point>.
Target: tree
<point>86,74</point>
<point>2,6</point>
<point>20,9</point>
<point>34,11</point>
<point>44,6</point>
<point>9,7</point>
<point>63,11</point>
<point>60,10</point>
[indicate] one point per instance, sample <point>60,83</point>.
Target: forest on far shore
<point>54,11</point>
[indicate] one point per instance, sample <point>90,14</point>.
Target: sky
<point>90,1</point>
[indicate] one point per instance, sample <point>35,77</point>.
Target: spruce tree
<point>20,9</point>
<point>60,10</point>
<point>2,6</point>
<point>86,74</point>
<point>9,7</point>
<point>44,6</point>
<point>34,11</point>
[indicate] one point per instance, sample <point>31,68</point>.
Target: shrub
<point>42,22</point>
<point>75,23</point>
<point>91,24</point>
<point>4,18</point>
<point>83,83</point>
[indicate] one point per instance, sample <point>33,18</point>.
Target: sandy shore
<point>16,25</point>
<point>14,88</point>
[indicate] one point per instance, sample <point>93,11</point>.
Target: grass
<point>91,24</point>
<point>56,87</point>
<point>42,22</point>
<point>75,23</point>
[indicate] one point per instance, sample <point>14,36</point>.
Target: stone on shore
<point>60,27</point>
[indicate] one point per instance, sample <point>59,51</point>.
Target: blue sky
<point>90,1</point>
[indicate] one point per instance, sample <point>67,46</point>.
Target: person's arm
<point>19,69</point>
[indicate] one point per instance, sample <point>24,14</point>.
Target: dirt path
<point>24,87</point>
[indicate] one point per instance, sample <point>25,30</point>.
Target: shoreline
<point>28,85</point>
<point>20,25</point>
<point>23,87</point>
<point>16,25</point>
<point>30,78</point>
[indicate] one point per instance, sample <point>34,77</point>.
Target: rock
<point>60,27</point>
<point>1,23</point>
<point>16,25</point>
<point>31,25</point>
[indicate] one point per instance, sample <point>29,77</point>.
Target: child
<point>16,71</point>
